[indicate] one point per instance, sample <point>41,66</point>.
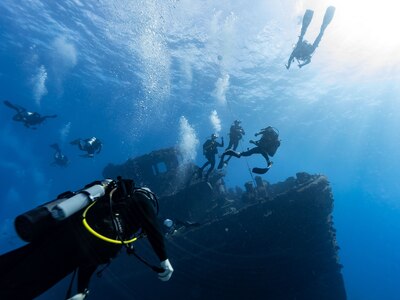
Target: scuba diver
<point>90,145</point>
<point>59,158</point>
<point>236,133</point>
<point>76,233</point>
<point>28,118</point>
<point>303,50</point>
<point>266,146</point>
<point>209,151</point>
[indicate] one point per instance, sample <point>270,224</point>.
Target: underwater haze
<point>150,74</point>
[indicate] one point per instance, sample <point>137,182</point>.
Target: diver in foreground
<point>59,158</point>
<point>210,150</point>
<point>303,49</point>
<point>77,232</point>
<point>236,133</point>
<point>266,146</point>
<point>28,118</point>
<point>90,145</point>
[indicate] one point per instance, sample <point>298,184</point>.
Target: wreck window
<point>159,168</point>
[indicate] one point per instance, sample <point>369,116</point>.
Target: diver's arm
<point>260,132</point>
<point>222,142</point>
<point>149,224</point>
<point>306,62</point>
<point>290,60</point>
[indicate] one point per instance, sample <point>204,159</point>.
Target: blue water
<point>143,75</point>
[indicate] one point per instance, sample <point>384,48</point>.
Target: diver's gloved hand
<point>166,275</point>
<point>80,296</point>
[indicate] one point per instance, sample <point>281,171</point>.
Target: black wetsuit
<point>236,133</point>
<point>59,158</point>
<point>30,270</point>
<point>266,146</point>
<point>210,150</point>
<point>28,118</point>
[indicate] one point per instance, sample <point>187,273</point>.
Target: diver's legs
<point>200,172</point>
<point>308,15</point>
<point>221,162</point>
<point>230,152</point>
<point>212,164</point>
<point>265,155</point>
<point>251,151</point>
<point>317,40</point>
<point>233,144</point>
<point>75,142</point>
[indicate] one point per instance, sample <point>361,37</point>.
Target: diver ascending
<point>266,146</point>
<point>59,158</point>
<point>90,145</point>
<point>27,117</point>
<point>303,49</point>
<point>77,232</point>
<point>236,133</point>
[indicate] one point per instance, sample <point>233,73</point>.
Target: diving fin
<point>75,142</point>
<point>10,105</point>
<point>308,15</point>
<point>329,13</point>
<point>262,170</point>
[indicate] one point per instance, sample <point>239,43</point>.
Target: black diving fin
<point>262,170</point>
<point>308,15</point>
<point>10,105</point>
<point>329,13</point>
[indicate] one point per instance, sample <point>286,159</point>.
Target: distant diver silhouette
<point>303,49</point>
<point>28,118</point>
<point>91,145</point>
<point>59,158</point>
<point>266,146</point>
<point>236,133</point>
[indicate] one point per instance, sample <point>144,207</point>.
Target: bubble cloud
<point>188,141</point>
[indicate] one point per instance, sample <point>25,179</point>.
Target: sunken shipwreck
<point>258,241</point>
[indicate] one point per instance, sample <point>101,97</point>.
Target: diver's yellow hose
<point>98,235</point>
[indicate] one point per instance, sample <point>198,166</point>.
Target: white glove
<point>80,296</point>
<point>166,275</point>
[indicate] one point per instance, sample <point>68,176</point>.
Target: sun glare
<point>368,30</point>
<point>362,38</point>
<point>370,19</point>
